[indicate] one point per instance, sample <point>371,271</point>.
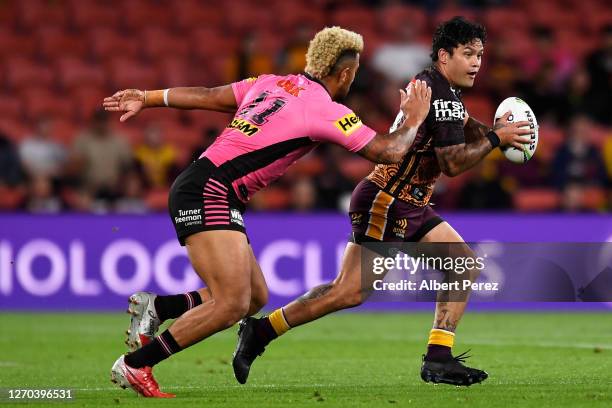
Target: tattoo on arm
<point>389,148</point>
<point>456,159</point>
<point>316,292</point>
<point>474,130</point>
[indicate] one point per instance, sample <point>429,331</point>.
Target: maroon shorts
<point>377,216</point>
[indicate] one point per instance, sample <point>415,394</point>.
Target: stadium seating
<point>74,72</point>
<point>41,102</point>
<point>26,73</point>
<point>58,59</point>
<point>14,129</point>
<point>393,16</point>
<point>537,200</point>
<point>88,14</point>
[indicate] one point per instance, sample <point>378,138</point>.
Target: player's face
<point>464,64</point>
<point>346,78</point>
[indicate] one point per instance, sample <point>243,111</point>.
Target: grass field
<point>345,360</point>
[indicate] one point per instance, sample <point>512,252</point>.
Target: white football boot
<point>144,322</point>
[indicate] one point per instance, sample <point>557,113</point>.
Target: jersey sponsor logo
<point>243,126</point>
<point>448,110</point>
<point>290,87</point>
<point>348,123</point>
<point>236,217</point>
<point>189,217</point>
<point>400,227</point>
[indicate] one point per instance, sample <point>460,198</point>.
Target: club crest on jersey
<point>348,123</point>
<point>448,110</point>
<point>243,126</point>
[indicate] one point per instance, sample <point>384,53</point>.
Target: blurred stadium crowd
<point>59,58</point>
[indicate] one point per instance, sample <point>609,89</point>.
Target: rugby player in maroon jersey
<point>392,205</point>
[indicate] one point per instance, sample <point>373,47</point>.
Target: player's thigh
<point>222,259</point>
<point>442,232</point>
<point>446,242</point>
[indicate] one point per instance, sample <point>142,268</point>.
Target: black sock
<point>264,330</point>
<point>172,306</point>
<point>436,352</point>
<point>162,347</point>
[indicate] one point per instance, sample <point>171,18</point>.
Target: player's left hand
<point>130,101</point>
<point>512,133</point>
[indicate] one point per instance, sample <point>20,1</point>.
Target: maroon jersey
<point>413,179</point>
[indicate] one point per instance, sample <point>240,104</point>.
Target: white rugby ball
<point>520,112</point>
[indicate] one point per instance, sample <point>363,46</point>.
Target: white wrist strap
<point>166,96</point>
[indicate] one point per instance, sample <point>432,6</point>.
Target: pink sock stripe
<point>189,301</point>
<point>213,189</point>
<point>218,217</point>
<point>217,183</point>
<point>218,223</point>
<point>209,201</point>
<point>212,207</point>
<point>210,214</point>
<point>164,345</point>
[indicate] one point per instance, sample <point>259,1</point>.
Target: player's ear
<point>345,74</point>
<point>443,56</point>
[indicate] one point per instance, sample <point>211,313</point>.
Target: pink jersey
<point>280,119</point>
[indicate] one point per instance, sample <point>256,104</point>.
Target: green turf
<point>356,360</point>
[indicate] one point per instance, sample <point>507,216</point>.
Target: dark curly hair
<point>455,32</point>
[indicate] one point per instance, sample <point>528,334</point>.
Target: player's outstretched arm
<point>481,140</point>
<point>132,101</point>
<point>391,147</point>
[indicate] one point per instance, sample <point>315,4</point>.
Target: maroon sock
<point>438,353</point>
<point>264,330</point>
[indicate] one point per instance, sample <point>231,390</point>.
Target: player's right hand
<point>512,134</point>
<point>130,101</point>
<point>415,103</point>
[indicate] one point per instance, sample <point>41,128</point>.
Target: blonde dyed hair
<point>327,46</point>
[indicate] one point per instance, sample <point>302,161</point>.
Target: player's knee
<point>233,310</point>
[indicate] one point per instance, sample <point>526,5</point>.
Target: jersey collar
<point>435,71</point>
<point>310,77</point>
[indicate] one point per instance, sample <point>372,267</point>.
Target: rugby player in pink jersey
<point>278,119</point>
